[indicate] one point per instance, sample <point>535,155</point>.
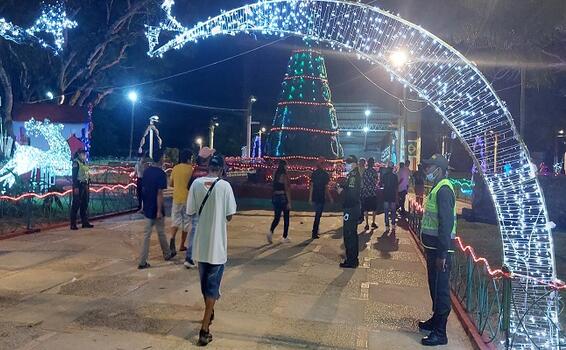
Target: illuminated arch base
<point>459,93</point>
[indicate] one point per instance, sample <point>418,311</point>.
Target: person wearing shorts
<point>180,176</point>
<point>212,199</point>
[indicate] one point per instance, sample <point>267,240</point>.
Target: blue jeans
<point>390,209</point>
<point>280,206</point>
<point>318,208</point>
<point>191,240</point>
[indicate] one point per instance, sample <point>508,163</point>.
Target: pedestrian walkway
<point>81,290</point>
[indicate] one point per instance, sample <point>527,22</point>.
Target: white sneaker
<point>189,265</point>
<point>269,237</point>
<point>285,240</point>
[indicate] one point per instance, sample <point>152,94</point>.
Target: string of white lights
<point>457,90</point>
<point>53,20</point>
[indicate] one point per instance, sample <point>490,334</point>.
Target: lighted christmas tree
<point>305,122</point>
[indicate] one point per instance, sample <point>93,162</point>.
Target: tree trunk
<point>6,99</point>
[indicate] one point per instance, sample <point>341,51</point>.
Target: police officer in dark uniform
<point>438,233</point>
<point>352,212</point>
<point>80,190</point>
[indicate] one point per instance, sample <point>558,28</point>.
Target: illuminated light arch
<point>457,90</point>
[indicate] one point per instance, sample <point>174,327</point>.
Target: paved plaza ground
<point>81,290</point>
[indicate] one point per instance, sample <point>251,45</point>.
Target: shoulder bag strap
<point>207,195</point>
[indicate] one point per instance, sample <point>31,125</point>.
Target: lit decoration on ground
<point>53,20</point>
<point>458,91</point>
<point>65,193</point>
<point>55,162</point>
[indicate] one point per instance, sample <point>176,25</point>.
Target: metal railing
<point>489,296</point>
<point>33,211</point>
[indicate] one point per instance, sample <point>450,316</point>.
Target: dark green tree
<point>305,123</point>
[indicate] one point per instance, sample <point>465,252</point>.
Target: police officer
<point>80,190</point>
<point>438,232</point>
<point>352,212</point>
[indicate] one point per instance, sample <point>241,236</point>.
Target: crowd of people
<point>203,203</point>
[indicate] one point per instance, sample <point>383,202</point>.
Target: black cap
<point>352,159</point>
<point>216,161</point>
<point>439,160</point>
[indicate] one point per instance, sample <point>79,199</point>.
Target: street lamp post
<point>198,141</point>
<point>559,135</point>
<point>399,60</point>
<point>213,125</point>
<point>251,101</point>
<point>133,97</point>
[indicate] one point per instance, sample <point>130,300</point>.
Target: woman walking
<point>370,179</point>
<point>281,202</point>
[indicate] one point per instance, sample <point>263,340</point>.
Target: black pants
<point>280,206</point>
<point>139,192</point>
<point>402,197</point>
<point>318,208</point>
<point>439,286</point>
<point>350,232</point>
<point>80,202</point>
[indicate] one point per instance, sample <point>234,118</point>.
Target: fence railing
<point>32,211</point>
<point>489,296</point>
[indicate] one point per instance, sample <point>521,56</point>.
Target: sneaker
<point>373,226</point>
<point>88,225</point>
<point>171,256</point>
<point>346,265</point>
<point>172,245</point>
<point>285,240</point>
<point>315,236</point>
<point>144,266</point>
<point>189,264</point>
<point>74,228</point>
<point>269,237</point>
<point>204,338</point>
<point>366,228</point>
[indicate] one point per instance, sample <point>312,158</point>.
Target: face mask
<point>431,176</point>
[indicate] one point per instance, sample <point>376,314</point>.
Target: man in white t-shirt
<point>212,199</point>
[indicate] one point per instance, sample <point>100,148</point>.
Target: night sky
<point>229,84</point>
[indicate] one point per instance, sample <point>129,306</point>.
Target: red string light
<point>494,273</point>
<point>313,131</point>
<point>62,194</point>
<point>305,103</point>
<point>305,77</point>
<point>304,158</point>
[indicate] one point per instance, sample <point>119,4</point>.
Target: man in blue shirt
<point>153,183</point>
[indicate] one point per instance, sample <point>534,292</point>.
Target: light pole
<point>133,97</point>
<point>213,125</point>
<point>559,135</point>
<point>251,101</point>
<point>399,60</point>
<point>198,141</point>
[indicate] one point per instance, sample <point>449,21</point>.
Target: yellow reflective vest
<point>429,224</point>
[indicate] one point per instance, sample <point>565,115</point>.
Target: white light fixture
<point>133,96</point>
<point>399,58</point>
<point>366,129</point>
<point>50,95</point>
<point>367,112</point>
<point>349,133</point>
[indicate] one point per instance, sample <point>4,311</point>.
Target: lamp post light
<point>213,124</point>
<point>133,97</point>
<point>400,59</point>
<point>50,95</point>
<point>198,141</point>
<point>559,135</point>
<point>251,101</point>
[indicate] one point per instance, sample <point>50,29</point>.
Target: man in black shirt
<point>390,195</point>
<point>352,212</point>
<point>318,193</point>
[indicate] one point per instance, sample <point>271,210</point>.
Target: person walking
<point>81,190</point>
<point>438,233</point>
<point>352,212</point>
<point>419,183</point>
<point>318,194</point>
<point>180,177</point>
<point>140,167</point>
<point>390,195</point>
<point>281,202</point>
<point>362,166</point>
<point>153,185</point>
<point>370,179</point>
<point>212,199</point>
<point>404,176</point>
